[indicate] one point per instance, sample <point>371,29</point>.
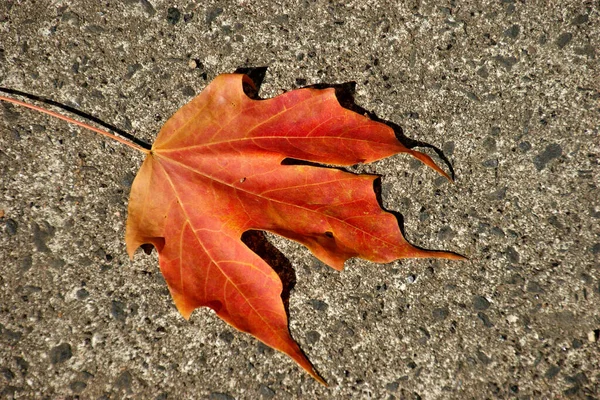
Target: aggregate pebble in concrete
<point>509,91</point>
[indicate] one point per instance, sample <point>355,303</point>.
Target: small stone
<point>11,227</point>
<point>513,31</point>
<point>411,279</point>
<point>485,319</point>
<point>483,72</point>
<point>552,151</point>
<point>512,255</point>
<point>29,289</point>
<point>483,358</point>
<point>97,94</point>
<point>446,233</point>
<point>534,287</point>
<point>516,279</point>
<point>585,278</point>
<point>85,375</point>
<point>392,387</point>
<point>41,235</point>
<point>480,303</point>
<point>173,15</point>
<point>489,144</point>
<point>572,391</point>
<point>148,7</point>
<point>117,310</point>
<point>576,343</point>
<point>188,91</point>
<point>22,364</point>
<point>415,164</point>
<point>212,14</point>
<point>343,328</point>
<point>262,348</point>
<point>56,263</point>
<point>587,50</point>
<point>319,305</point>
<point>404,203</point>
<point>564,39</point>
<point>580,379</point>
<point>497,231</point>
<point>226,336</point>
<point>525,146</point>
<point>10,113</point>
<point>554,221</point>
<point>506,62</point>
<point>132,69</point>
<point>281,19</point>
<point>499,194</point>
<point>448,148</point>
<point>512,318</point>
<point>127,180</point>
<point>440,313</point>
<point>491,163</point>
<point>7,373</point>
<point>77,386</point>
<point>313,337</point>
<point>580,19</point>
<point>266,392</point>
<point>192,64</point>
<point>124,382</point>
<point>595,249</point>
<point>60,353</point>
<point>472,96</point>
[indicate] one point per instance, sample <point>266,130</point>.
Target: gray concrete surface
<point>510,91</point>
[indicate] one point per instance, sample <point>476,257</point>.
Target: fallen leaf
<point>215,171</point>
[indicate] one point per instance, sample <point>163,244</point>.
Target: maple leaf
<point>215,171</point>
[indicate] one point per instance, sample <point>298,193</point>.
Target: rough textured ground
<point>510,90</point>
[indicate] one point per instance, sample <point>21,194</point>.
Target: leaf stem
<point>75,122</point>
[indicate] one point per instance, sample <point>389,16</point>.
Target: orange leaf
<point>215,171</point>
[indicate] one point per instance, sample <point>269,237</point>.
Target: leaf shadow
<point>79,113</point>
<point>377,188</point>
<point>345,94</point>
<point>258,243</point>
<point>256,75</point>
